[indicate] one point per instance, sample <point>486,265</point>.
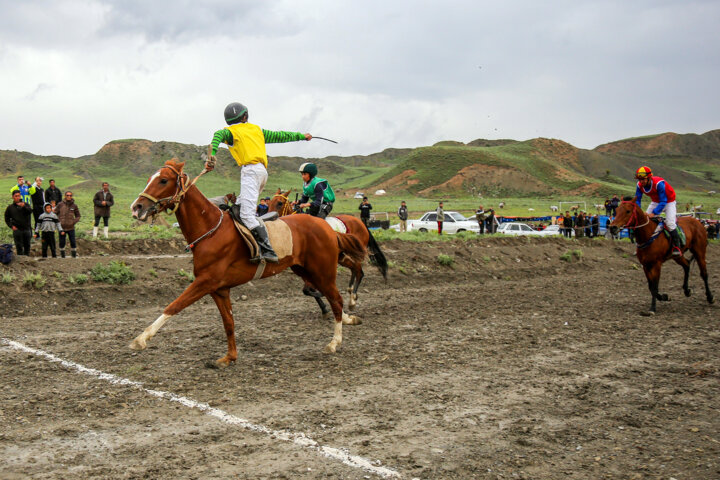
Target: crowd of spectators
<point>36,212</point>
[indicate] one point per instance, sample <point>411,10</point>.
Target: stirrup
<point>676,252</point>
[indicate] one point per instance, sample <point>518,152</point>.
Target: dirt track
<point>511,364</point>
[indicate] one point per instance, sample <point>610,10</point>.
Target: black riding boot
<point>261,237</point>
<point>676,248</point>
<point>62,252</point>
<point>73,252</point>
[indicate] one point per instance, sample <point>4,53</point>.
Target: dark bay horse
<point>652,253</point>
<point>280,203</point>
<point>221,259</point>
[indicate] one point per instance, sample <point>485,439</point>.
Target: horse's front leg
<point>685,264</point>
<point>652,273</point>
<point>195,291</point>
<point>224,304</point>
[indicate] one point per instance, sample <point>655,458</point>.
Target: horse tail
<point>351,246</point>
<point>377,257</point>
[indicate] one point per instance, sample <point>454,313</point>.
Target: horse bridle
<point>633,217</point>
<point>181,182</point>
<point>286,208</point>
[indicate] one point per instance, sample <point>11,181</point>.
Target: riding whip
<point>326,139</point>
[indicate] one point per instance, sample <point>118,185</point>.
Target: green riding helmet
<point>234,112</point>
<point>310,168</point>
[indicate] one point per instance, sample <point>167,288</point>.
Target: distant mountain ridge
<point>538,166</point>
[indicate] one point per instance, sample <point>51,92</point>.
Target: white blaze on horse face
<point>154,176</point>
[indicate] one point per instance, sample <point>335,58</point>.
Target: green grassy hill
<point>532,174</point>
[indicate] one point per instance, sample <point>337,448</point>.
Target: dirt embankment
<point>520,358</point>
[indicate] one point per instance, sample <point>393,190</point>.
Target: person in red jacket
<point>662,198</point>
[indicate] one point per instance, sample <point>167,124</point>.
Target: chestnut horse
<point>221,259</point>
<point>653,249</point>
<point>280,203</point>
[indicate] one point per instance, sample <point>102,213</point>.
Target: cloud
<point>383,74</point>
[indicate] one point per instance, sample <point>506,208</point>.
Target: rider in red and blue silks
<point>662,197</point>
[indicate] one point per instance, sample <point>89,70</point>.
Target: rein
<point>634,217</point>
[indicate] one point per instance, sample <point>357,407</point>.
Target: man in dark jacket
<point>490,220</point>
<point>69,214</point>
<point>480,217</point>
<point>18,217</point>
<point>403,215</point>
<point>365,208</point>
<point>53,194</point>
<point>614,204</point>
<point>38,199</point>
<point>102,202</point>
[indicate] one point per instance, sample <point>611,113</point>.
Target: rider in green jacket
<point>318,196</point>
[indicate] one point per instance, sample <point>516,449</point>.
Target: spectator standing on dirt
<point>608,208</point>
<point>614,203</point>
<point>440,217</point>
<point>47,224</point>
<point>18,217</point>
<point>403,215</point>
<point>102,201</point>
<point>365,208</point>
<point>480,217</point>
<point>595,225</point>
<point>38,199</point>
<point>53,194</point>
<point>490,222</point>
<point>567,224</point>
<point>26,190</point>
<point>579,225</point>
<point>69,214</point>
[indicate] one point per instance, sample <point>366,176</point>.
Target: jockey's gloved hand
<point>210,163</point>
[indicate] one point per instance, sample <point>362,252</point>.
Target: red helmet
<point>643,172</point>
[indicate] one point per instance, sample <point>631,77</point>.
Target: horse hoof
<point>711,300</point>
<point>138,344</point>
<point>688,292</point>
<point>351,306</point>
<point>329,349</point>
<point>649,313</point>
<point>664,297</point>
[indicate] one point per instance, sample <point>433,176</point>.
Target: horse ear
<point>279,191</point>
<point>288,192</point>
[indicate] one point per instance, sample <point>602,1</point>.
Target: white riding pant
<point>670,214</point>
<point>252,180</point>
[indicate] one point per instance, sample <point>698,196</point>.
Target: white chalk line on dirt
<point>299,439</point>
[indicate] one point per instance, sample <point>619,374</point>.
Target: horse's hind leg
<point>353,295</point>
<point>700,256</point>
<point>312,292</point>
<point>222,300</point>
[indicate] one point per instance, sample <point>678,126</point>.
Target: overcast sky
<point>76,74</point>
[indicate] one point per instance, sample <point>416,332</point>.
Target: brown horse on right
<point>653,252</point>
<point>280,203</point>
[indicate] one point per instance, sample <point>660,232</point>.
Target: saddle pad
<point>681,233</point>
<point>279,235</point>
<point>336,224</point>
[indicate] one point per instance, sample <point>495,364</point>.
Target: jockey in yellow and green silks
<point>246,143</point>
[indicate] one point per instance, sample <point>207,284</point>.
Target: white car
<point>550,230</point>
<point>453,222</point>
<point>515,228</point>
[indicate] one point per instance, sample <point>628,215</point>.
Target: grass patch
<point>7,278</point>
<point>571,255</point>
<point>445,260</point>
<point>34,280</point>
<point>78,279</point>
<point>187,275</point>
<point>153,273</point>
<point>116,273</point>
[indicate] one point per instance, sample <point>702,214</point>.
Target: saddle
<point>279,235</point>
<point>662,228</point>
